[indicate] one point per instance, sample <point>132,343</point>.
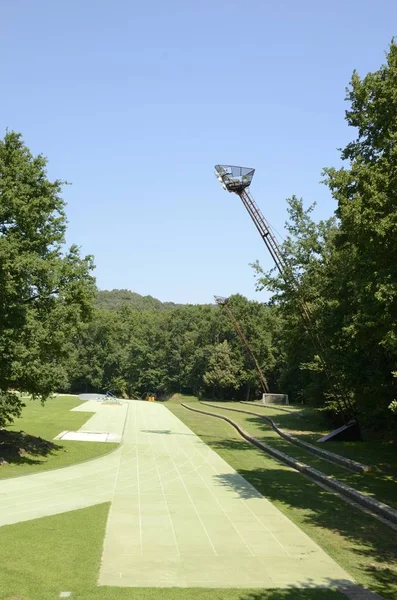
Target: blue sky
<point>135,102</point>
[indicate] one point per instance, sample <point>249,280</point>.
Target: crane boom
<point>237,180</point>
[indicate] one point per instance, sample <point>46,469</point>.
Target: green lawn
<point>37,450</point>
<point>310,425</point>
<point>364,546</point>
<point>382,486</point>
<point>42,558</point>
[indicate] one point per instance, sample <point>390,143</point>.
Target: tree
<point>364,276</point>
<point>345,268</point>
<point>306,250</point>
<point>222,369</point>
<point>45,293</point>
<point>257,323</point>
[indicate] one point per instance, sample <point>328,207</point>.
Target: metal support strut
<point>225,303</point>
<point>272,245</point>
<point>237,180</point>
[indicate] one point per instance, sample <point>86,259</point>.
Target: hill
<point>114,299</point>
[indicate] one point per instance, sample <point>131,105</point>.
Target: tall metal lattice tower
<point>238,180</point>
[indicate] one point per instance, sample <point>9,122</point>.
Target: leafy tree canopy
<point>45,292</point>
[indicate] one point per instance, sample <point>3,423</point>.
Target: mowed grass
<point>309,425</point>
<point>361,544</point>
<point>382,486</point>
<point>27,454</point>
<point>42,558</point>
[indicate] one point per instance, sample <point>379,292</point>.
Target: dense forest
<point>58,332</point>
<point>190,349</point>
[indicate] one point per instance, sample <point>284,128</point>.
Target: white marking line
<point>162,489</point>
<point>113,496</point>
<point>146,481</point>
<point>55,490</point>
<point>219,504</point>
<point>64,481</point>
<point>125,479</point>
<point>139,490</point>
<point>58,492</point>
<point>195,441</point>
<point>250,509</point>
<point>49,483</point>
<point>66,509</point>
<point>191,500</point>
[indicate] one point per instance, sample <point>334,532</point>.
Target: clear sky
<point>135,102</point>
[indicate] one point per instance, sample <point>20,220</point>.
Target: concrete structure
<point>275,399</point>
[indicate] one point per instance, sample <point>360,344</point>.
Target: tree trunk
<point>248,393</point>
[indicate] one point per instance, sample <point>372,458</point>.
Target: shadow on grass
<point>379,484</point>
<point>166,432</point>
<point>18,447</point>
<point>311,592</point>
<point>373,543</point>
<point>380,453</point>
<point>306,422</point>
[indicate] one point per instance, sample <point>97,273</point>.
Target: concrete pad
<point>89,406</point>
<point>106,425</point>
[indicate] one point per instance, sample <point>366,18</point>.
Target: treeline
<point>57,332</point>
<point>190,349</point>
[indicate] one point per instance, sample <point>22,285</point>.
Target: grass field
<point>381,485</point>
<point>309,425</point>
<point>34,450</point>
<point>42,558</point>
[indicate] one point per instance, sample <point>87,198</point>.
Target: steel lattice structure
<point>225,303</point>
<point>237,180</point>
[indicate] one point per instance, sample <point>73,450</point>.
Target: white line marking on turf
<point>191,500</point>
<point>139,491</point>
<point>162,489</point>
<point>118,467</point>
<point>67,504</point>
<point>219,504</point>
<point>246,505</point>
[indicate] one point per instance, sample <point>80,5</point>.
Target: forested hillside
<point>115,299</point>
<point>192,349</point>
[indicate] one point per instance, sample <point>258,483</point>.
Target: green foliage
<point>364,276</point>
<point>345,268</point>
<point>131,351</point>
<point>45,292</point>
<point>222,370</point>
<point>115,299</point>
<point>393,406</point>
